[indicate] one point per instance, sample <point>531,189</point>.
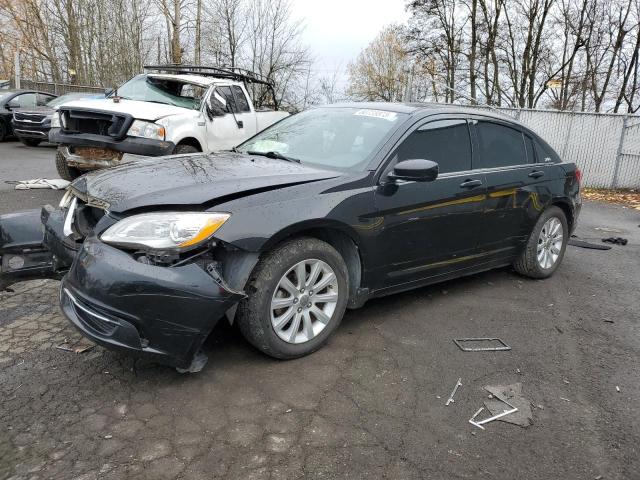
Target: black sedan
<point>11,100</point>
<point>32,125</point>
<point>316,214</point>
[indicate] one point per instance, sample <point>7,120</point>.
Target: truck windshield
<point>336,137</point>
<point>148,88</point>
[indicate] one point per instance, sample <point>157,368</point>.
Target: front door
<point>224,131</point>
<point>430,228</point>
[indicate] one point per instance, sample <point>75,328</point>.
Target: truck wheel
<point>30,142</point>
<point>297,295</point>
<point>546,245</point>
<point>65,171</point>
<point>180,149</point>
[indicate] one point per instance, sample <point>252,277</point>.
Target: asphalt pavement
<point>369,405</point>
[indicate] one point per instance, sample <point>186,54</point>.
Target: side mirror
<point>108,91</point>
<point>214,110</point>
<point>12,104</point>
<point>415,170</point>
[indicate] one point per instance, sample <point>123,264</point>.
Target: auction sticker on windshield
<point>391,116</point>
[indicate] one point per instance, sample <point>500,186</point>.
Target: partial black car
<point>316,214</point>
<point>12,100</point>
<point>32,125</point>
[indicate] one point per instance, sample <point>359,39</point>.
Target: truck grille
<point>80,121</point>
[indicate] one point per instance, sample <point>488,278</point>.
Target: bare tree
<point>380,73</point>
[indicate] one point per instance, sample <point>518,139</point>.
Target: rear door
<point>430,228</point>
<point>505,155</point>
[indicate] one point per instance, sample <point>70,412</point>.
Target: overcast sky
<point>336,30</point>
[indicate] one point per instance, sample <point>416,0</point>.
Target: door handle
<point>470,183</point>
<point>536,174</point>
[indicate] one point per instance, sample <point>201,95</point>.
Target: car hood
<point>135,108</point>
<point>194,180</point>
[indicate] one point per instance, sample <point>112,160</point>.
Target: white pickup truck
<point>166,110</point>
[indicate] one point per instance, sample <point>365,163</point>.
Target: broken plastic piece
<point>197,364</point>
<point>455,389</point>
<point>499,348</point>
<point>479,424</point>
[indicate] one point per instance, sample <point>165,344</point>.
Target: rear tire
<point>311,319</point>
<point>545,248</point>
<point>30,142</point>
<point>64,170</point>
<point>181,149</point>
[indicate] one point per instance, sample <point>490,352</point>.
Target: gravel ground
<point>368,405</point>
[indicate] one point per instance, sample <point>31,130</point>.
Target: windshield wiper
<point>272,154</point>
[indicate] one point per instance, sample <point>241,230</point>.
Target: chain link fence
<point>605,146</point>
<point>58,88</point>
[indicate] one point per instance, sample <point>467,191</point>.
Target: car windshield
<point>170,91</point>
<point>68,97</point>
<point>335,137</point>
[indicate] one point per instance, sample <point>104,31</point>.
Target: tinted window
<point>241,99</point>
<point>500,146</point>
<point>445,142</point>
<point>545,154</point>
<point>25,100</point>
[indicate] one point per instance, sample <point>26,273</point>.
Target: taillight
<point>578,176</point>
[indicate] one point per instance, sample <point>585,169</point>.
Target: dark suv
<point>11,100</point>
<point>319,212</point>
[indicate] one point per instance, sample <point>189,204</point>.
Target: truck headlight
<point>144,129</point>
<point>55,120</point>
<point>164,230</point>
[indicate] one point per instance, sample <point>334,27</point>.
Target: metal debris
<point>496,348</point>
<point>583,244</point>
<point>510,395</point>
<point>455,389</point>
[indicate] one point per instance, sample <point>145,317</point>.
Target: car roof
<point>427,108</point>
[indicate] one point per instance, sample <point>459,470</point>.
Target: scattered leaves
<point>630,198</point>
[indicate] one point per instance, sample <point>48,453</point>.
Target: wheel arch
<point>565,206</point>
<point>191,141</point>
<point>339,236</point>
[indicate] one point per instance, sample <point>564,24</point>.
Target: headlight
<point>164,230</point>
<point>55,120</point>
<point>147,130</point>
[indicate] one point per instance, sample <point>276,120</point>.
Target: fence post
<point>17,72</point>
<point>568,137</point>
<point>616,170</point>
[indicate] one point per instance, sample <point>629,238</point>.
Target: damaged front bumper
<point>32,246</point>
<point>164,312</point>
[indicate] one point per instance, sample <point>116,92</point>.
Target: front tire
<point>64,170</point>
<point>546,245</point>
<point>3,131</point>
<point>283,315</point>
<point>181,149</point>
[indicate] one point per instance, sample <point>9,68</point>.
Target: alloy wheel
<point>550,243</point>
<point>304,301</point>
